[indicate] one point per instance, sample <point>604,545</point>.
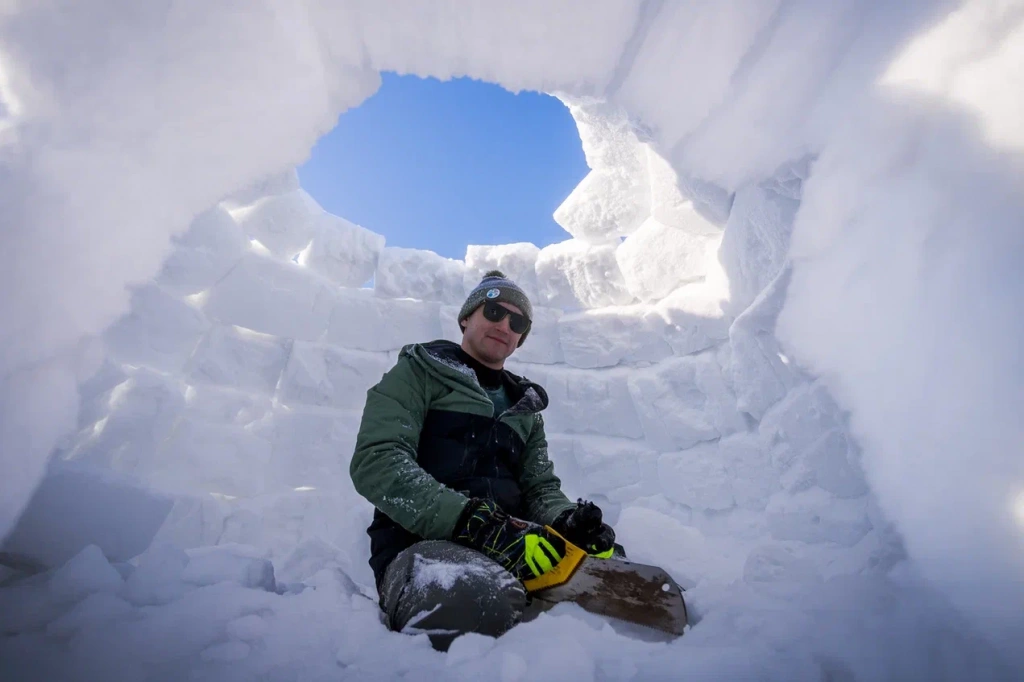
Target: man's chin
<point>494,357</point>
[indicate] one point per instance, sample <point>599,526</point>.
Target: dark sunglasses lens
<point>516,322</point>
<point>494,312</point>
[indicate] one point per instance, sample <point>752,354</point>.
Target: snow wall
<point>782,342</point>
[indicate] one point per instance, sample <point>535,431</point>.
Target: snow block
<point>608,203</point>
<point>797,478</point>
<point>691,319</point>
<point>213,230</point>
<point>191,271</point>
<point>213,244</point>
<point>605,337</point>
<point>364,321</point>
<point>272,297</point>
<point>160,331</point>
<point>283,223</point>
<point>657,259</point>
<point>88,572</point>
<point>239,358</point>
<point>27,606</point>
<point>157,580</point>
<point>788,180</point>
<point>542,345</point>
<point>95,611</point>
<point>795,425</point>
<point>618,469</point>
<point>756,241</point>
<point>142,412</point>
<point>195,520</point>
<point>767,565</point>
<point>94,394</point>
<point>608,138</point>
<point>278,523</point>
<point>835,463</point>
<point>248,523</point>
<point>816,516</point>
<point>877,553</point>
<point>247,628</point>
<point>752,476</point>
<point>684,401</point>
<point>572,274</point>
<point>448,316</point>
<point>697,477</point>
<point>518,261</point>
<point>586,401</point>
<point>686,203</point>
<point>213,458</point>
<point>560,452</point>
<point>342,252</point>
<point>614,198</point>
<point>78,506</point>
<point>325,376</point>
<point>761,374</point>
<point>272,185</point>
<point>419,274</point>
<point>312,447</point>
<point>307,559</point>
<point>658,538</point>
<point>732,528</point>
<point>245,566</point>
<point>226,406</point>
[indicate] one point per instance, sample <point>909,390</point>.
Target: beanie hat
<point>495,286</point>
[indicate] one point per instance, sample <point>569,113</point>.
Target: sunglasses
<point>495,312</point>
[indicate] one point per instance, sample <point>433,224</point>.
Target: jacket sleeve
<point>384,468</point>
<point>543,498</point>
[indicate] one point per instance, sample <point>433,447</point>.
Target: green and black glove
<point>583,526</point>
<point>524,549</point>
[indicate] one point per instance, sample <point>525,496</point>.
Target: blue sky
<point>439,165</point>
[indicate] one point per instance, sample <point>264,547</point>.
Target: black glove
<point>583,527</point>
<point>524,549</point>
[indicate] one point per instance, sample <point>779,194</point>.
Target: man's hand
<point>583,527</point>
<point>524,549</point>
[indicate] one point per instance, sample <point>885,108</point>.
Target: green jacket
<point>429,439</point>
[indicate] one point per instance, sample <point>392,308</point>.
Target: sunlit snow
<point>781,339</point>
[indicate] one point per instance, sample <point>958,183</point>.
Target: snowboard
<point>614,587</point>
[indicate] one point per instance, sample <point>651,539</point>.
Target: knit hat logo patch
<point>493,293</point>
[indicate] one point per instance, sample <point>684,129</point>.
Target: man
<point>452,453</point>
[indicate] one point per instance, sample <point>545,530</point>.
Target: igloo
<point>781,336</point>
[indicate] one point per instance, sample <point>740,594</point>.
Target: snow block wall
<point>785,317</point>
<point>236,382</point>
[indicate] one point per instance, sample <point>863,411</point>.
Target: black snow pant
<point>446,590</point>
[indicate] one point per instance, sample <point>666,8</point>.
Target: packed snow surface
<point>781,339</point>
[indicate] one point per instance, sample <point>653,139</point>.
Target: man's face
<point>490,342</point>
